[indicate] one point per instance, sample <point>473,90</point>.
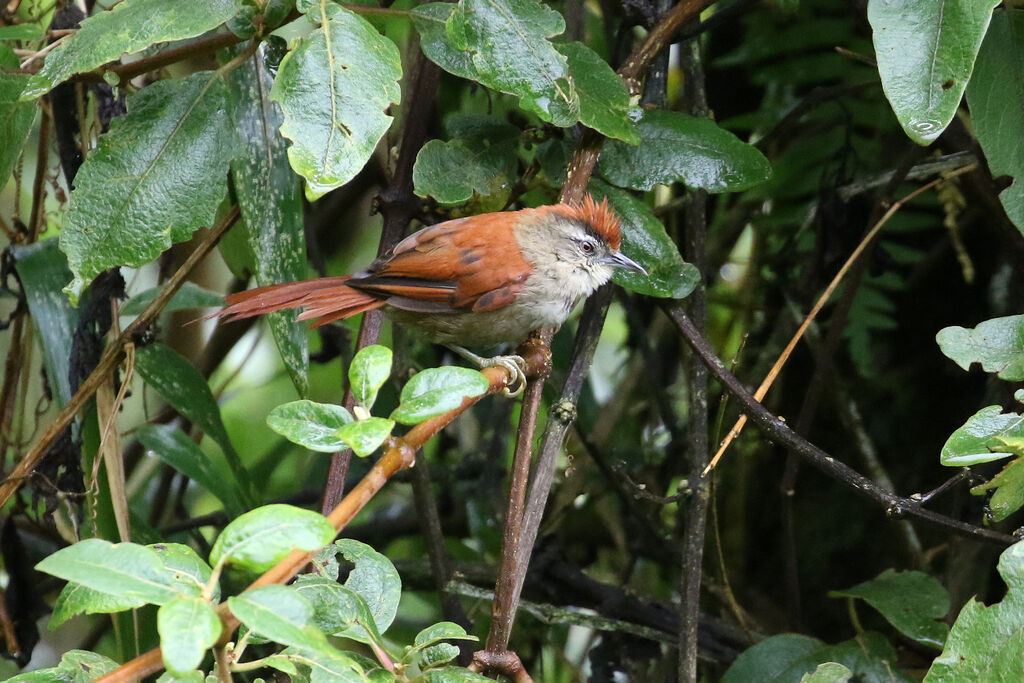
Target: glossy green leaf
<point>997,344</point>
<point>279,614</point>
<point>270,199</point>
<point>185,388</point>
<point>694,151</point>
<point>429,646</point>
<point>925,52</point>
<point>1008,485</point>
<point>374,578</point>
<point>130,26</point>
<point>829,672</point>
<point>332,666</point>
<point>987,643</point>
<point>338,610</point>
<point>604,98</point>
<point>191,573</point>
<point>430,20</point>
<point>188,627</point>
<point>996,100</point>
<point>76,666</point>
<point>911,601</point>
<point>333,87</point>
<point>368,371</point>
<point>156,177</point>
<point>174,447</point>
<point>786,658</point>
<point>22,32</point>
<point>365,436</point>
<point>973,442</point>
<point>451,172</point>
<point>195,676</point>
<point>189,296</point>
<point>16,119</point>
<point>259,539</point>
<point>645,241</point>
<point>123,569</point>
<point>43,271</point>
<point>309,424</point>
<point>435,391</point>
<point>508,41</point>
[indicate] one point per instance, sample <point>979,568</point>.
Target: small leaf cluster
<point>328,428</point>
<point>105,577</point>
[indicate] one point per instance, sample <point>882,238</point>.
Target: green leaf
<point>331,666</point>
<point>604,98</point>
<point>311,425</point>
<point>694,151</point>
<point>987,643</point>
<point>430,642</point>
<point>77,599</point>
<point>435,391</point>
<point>374,578</point>
<point>996,99</point>
<point>430,20</point>
<point>76,666</point>
<point>786,658</point>
<point>452,674</point>
<point>174,447</point>
<point>829,672</point>
<point>16,120</point>
<point>365,436</point>
<point>189,296</point>
<point>481,158</point>
<point>1009,486</point>
<point>22,32</point>
<point>645,241</point>
<point>338,610</point>
<point>925,53</point>
<point>437,655</point>
<point>972,443</point>
<point>191,573</point>
<point>270,199</point>
<point>443,630</point>
<point>124,569</point>
<point>334,86</point>
<point>997,344</point>
<point>911,601</point>
<point>194,676</point>
<point>131,25</point>
<point>43,271</point>
<point>367,373</point>
<point>508,40</point>
<point>156,177</point>
<point>188,627</point>
<point>279,614</point>
<point>259,539</point>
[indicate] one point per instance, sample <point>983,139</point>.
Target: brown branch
<point>112,356</point>
<point>126,72</point>
<point>777,430</point>
<point>400,454</point>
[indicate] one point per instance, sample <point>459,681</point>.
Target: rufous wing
<point>465,264</point>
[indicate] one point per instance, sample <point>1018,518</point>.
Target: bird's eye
<point>587,246</point>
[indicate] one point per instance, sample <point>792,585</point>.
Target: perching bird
<point>478,281</point>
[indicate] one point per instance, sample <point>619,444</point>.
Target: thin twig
<point>822,300</point>
<point>112,356</point>
<point>777,430</point>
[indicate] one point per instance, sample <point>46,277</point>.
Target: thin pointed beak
<point>617,259</point>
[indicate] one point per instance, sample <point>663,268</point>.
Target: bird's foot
<point>515,365</point>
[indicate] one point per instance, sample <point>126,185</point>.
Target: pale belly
<point>508,325</point>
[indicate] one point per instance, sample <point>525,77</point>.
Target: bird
<point>478,281</point>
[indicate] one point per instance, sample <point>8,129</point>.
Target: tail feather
<point>328,299</point>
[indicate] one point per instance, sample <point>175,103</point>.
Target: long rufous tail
<point>326,299</point>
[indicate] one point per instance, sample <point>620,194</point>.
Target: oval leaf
<point>367,373</point>
<point>257,540</point>
<point>694,151</point>
<point>435,391</point>
<point>279,614</point>
<point>309,424</point>
<point>972,443</point>
<point>339,610</point>
<point>333,88</point>
<point>16,119</point>
<point>156,177</point>
<point>374,578</point>
<point>365,436</point>
<point>604,98</point>
<point>911,601</point>
<point>997,344</point>
<point>925,53</point>
<point>188,627</point>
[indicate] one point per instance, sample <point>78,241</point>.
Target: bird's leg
<point>515,365</point>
